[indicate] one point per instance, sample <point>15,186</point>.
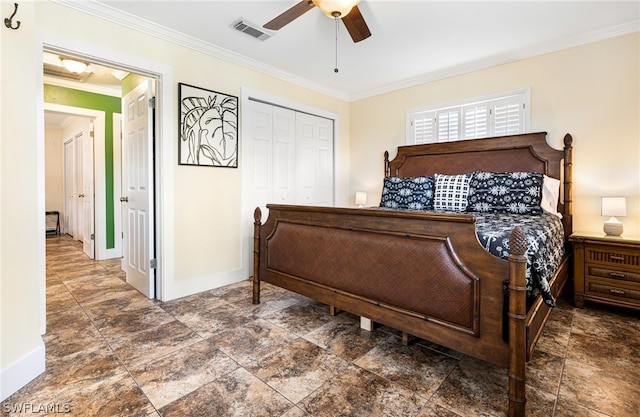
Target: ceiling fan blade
<point>355,24</point>
<point>290,15</point>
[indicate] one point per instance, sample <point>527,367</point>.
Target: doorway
<point>95,163</point>
<point>74,138</point>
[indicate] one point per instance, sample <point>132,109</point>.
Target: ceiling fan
<point>346,10</point>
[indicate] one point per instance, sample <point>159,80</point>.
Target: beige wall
<point>53,165</point>
<point>21,233</point>
<point>591,91</point>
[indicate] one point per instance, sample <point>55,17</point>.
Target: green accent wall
<point>109,105</point>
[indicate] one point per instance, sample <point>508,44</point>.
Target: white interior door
<point>270,155</point>
<point>324,162</point>
<point>78,222</point>
<point>69,188</point>
<point>258,156</point>
<point>288,157</point>
<point>284,153</point>
<point>88,214</point>
<point>314,157</point>
<point>137,199</point>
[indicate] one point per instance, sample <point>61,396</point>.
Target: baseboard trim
<point>21,372</point>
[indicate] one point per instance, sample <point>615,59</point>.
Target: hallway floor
<point>112,352</point>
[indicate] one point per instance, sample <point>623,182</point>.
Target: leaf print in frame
<point>207,127</point>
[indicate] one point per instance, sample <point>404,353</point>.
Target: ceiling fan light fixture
<point>73,65</point>
<point>336,8</point>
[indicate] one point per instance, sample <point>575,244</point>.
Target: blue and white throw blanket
<point>545,245</point>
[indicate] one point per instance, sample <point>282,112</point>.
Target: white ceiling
<point>412,41</point>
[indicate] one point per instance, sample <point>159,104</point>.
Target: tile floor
<point>112,352</point>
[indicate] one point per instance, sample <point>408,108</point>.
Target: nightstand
<point>606,269</point>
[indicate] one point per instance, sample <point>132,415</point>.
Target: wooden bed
<point>335,256</point>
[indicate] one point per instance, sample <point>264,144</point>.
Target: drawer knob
<point>617,274</point>
<point>616,291</point>
<point>617,258</point>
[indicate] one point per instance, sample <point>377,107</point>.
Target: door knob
<point>124,199</point>
<point>81,195</point>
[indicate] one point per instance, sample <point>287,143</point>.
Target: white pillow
<point>550,195</point>
<point>450,192</point>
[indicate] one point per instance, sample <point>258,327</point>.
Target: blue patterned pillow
<point>415,193</point>
<point>506,192</point>
<point>451,192</point>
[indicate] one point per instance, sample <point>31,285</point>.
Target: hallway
<point>112,352</point>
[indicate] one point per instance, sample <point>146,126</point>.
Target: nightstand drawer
<point>599,271</point>
<point>606,269</point>
<point>613,291</point>
<point>609,255</point>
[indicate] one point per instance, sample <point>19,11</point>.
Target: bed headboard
<point>528,152</point>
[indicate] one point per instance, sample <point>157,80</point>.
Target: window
<point>497,115</point>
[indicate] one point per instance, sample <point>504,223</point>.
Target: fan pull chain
<point>336,68</point>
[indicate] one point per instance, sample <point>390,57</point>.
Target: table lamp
<point>612,207</point>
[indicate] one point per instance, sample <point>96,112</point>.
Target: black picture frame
<point>207,127</point>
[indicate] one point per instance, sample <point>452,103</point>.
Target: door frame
<point>165,152</point>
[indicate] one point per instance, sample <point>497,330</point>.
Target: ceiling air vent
<point>251,29</point>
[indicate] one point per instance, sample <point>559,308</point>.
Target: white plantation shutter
<point>498,115</point>
<point>424,127</point>
<point>448,125</point>
<point>476,121</point>
<point>508,116</point>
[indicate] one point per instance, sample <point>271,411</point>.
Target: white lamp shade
<point>336,8</point>
<point>361,198</point>
<point>614,206</point>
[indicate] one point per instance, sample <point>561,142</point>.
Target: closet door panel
<point>260,154</point>
<point>324,162</point>
<point>305,158</point>
<point>284,137</point>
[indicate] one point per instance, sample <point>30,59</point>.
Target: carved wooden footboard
<point>421,273</point>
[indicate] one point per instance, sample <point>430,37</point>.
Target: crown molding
<point>111,14</point>
<point>133,22</point>
<point>531,51</point>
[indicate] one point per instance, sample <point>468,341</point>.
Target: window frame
<point>458,107</point>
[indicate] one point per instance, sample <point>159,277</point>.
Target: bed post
<point>517,317</point>
<point>567,219</point>
<point>257,215</point>
<point>386,164</point>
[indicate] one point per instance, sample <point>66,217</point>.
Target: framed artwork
<point>207,127</point>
